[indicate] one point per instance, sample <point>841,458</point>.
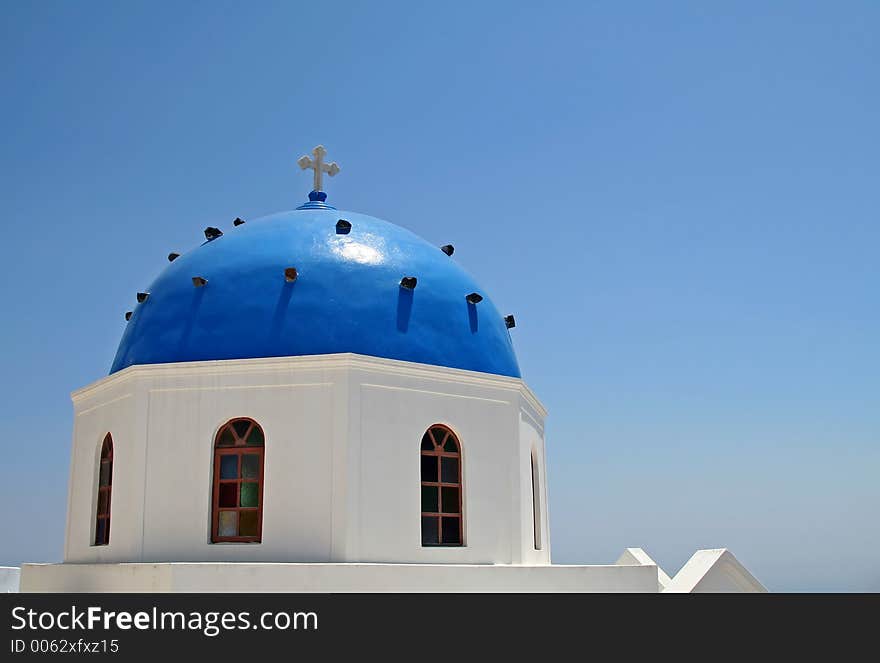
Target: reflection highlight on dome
<point>357,252</point>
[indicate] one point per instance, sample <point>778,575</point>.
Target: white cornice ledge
<point>338,361</point>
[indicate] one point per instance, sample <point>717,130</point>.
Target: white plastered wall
<point>533,491</point>
<point>341,477</point>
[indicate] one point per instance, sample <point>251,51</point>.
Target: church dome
<point>317,281</point>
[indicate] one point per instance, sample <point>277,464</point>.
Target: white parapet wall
<point>714,570</point>
<point>335,578</point>
<point>9,577</point>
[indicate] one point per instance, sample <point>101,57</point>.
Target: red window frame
<point>242,444</point>
<point>105,492</point>
<point>436,442</point>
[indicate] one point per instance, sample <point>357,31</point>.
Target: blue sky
<point>677,200</point>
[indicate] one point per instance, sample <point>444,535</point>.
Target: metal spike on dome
<point>212,233</point>
<point>199,282</point>
<point>408,282</point>
<point>142,297</point>
<point>343,227</point>
<point>448,249</point>
<point>290,274</point>
<point>238,221</point>
<point>173,256</point>
<point>127,316</point>
<point>509,321</point>
<point>474,298</point>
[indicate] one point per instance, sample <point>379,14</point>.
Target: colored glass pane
<point>247,523</point>
<point>250,494</point>
<point>229,466</point>
<point>226,438</point>
<point>250,466</point>
<point>228,525</point>
<point>228,495</point>
<point>255,439</point>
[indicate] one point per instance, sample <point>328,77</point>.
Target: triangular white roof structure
<point>638,557</point>
<point>715,570</point>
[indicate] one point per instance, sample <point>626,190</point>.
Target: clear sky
<point>678,201</point>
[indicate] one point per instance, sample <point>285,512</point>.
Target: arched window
<point>237,513</point>
<point>105,483</point>
<point>441,488</point>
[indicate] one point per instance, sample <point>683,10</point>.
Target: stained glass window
<point>441,488</point>
<point>105,488</point>
<point>237,513</point>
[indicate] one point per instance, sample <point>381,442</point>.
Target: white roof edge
<point>323,362</point>
<point>717,569</point>
<point>638,557</point>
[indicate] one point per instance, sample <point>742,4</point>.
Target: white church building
<point>321,401</point>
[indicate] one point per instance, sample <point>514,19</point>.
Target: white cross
<point>317,164</point>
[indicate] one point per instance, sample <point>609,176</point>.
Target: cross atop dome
<point>316,163</point>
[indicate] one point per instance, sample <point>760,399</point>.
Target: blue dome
<point>346,297</point>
